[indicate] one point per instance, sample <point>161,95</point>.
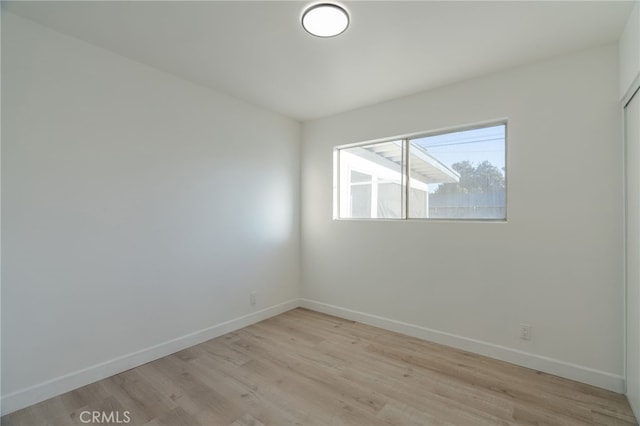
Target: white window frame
<point>405,181</point>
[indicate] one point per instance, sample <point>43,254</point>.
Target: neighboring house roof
<point>424,167</point>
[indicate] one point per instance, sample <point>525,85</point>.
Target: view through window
<point>454,175</point>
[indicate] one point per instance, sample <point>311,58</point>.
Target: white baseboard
<point>42,391</point>
<point>556,367</point>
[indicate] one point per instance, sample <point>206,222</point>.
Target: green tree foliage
<point>485,177</point>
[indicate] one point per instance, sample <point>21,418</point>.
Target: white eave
<point>424,167</point>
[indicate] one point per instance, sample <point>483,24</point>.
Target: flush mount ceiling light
<point>325,20</point>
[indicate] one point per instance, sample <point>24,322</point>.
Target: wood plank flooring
<point>307,368</point>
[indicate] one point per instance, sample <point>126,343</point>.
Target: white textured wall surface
<point>557,263</point>
<point>630,54</point>
<point>137,207</point>
<point>632,136</point>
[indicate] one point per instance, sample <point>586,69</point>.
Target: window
<point>454,175</point>
<point>371,181</point>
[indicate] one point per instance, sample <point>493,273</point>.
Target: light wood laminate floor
<point>307,368</point>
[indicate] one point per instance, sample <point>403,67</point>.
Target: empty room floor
<point>308,368</point>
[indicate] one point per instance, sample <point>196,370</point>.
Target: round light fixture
<point>325,20</point>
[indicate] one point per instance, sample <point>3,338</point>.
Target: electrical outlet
<point>525,331</point>
<point>252,297</point>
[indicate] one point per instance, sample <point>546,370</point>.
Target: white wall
<point>629,83</point>
<point>630,54</point>
<point>137,208</point>
<point>557,263</point>
<point>632,136</point>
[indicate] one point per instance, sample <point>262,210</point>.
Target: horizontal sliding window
<point>454,175</point>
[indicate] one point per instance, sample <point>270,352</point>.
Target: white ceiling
<point>258,51</point>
